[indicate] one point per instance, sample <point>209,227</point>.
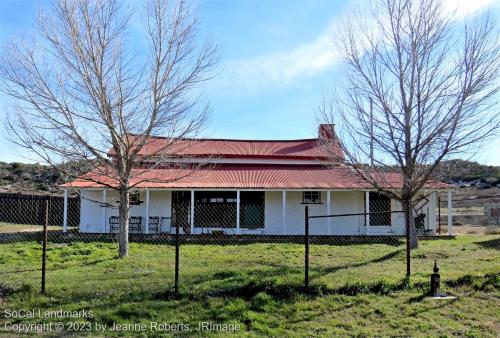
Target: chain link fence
<point>223,242</point>
<point>223,252</point>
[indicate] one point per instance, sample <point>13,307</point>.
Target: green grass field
<point>356,290</point>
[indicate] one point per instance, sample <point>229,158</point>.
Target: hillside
<point>29,178</point>
<point>455,170</point>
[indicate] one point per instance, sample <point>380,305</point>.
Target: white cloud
<point>464,8</point>
<point>306,59</point>
<point>318,55</point>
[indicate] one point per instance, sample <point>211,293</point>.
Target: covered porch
<point>270,212</point>
<point>155,211</point>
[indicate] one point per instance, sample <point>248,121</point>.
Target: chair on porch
<point>114,224</point>
<point>420,224</point>
<point>154,225</point>
<point>135,224</point>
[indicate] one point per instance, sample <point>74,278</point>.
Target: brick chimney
<point>326,131</point>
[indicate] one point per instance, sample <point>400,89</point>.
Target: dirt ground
<point>475,211</point>
<point>476,230</point>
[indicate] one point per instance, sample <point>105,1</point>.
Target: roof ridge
<point>229,139</point>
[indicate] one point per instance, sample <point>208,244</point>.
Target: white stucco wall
<point>90,211</point>
<point>341,202</point>
<point>347,202</point>
<point>397,219</point>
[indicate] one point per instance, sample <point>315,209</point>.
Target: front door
<point>380,206</point>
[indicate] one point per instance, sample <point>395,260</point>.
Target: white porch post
<point>192,211</point>
<point>238,211</point>
<point>65,211</point>
<point>284,211</point>
<point>450,214</point>
<point>328,212</point>
<point>146,216</point>
<point>367,211</point>
<point>432,211</point>
<point>104,209</point>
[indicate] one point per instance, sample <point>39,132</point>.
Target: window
<point>311,197</point>
<point>216,200</point>
<point>135,198</point>
<point>215,209</point>
<point>215,197</point>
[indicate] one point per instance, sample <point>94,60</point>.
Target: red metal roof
<point>247,177</point>
<point>306,149</point>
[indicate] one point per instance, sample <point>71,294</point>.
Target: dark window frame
<point>311,199</point>
<point>135,198</point>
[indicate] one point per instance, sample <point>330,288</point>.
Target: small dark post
<point>306,258</point>
<point>44,244</point>
<point>176,282</point>
<point>435,281</point>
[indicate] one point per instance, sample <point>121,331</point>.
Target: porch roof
<point>244,177</point>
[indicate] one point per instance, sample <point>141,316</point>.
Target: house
<point>253,187</point>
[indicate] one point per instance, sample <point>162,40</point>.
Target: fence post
<point>407,211</point>
<point>44,243</point>
<point>306,257</point>
<point>176,276</point>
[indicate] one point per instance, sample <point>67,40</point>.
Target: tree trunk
<point>124,213</point>
<point>411,233</point>
<point>410,229</point>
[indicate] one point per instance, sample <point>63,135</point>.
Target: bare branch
<point>83,96</point>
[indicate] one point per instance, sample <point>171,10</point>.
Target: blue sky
<point>277,61</point>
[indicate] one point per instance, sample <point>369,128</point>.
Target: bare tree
<point>84,94</point>
<point>420,88</point>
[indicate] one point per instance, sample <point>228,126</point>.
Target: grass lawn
<point>356,290</point>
